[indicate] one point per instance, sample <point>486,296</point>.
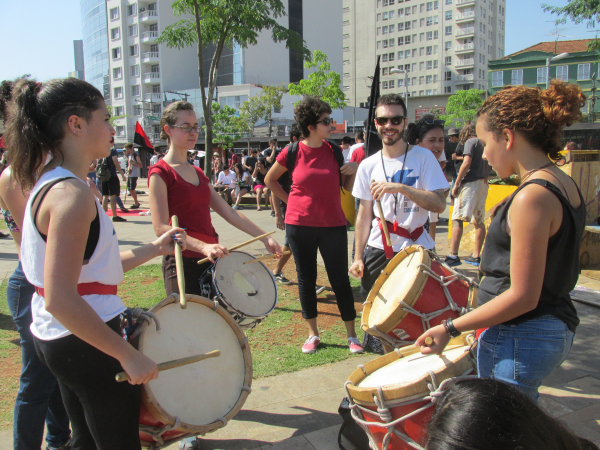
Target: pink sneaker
<point>355,346</point>
<point>311,344</point>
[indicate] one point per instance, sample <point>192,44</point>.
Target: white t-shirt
<point>226,180</point>
<point>418,169</point>
<point>154,159</point>
<point>346,154</point>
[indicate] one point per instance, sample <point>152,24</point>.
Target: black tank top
<point>562,261</point>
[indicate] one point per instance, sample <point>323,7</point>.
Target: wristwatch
<point>450,329</point>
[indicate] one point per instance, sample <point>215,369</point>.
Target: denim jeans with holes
<point>523,355</point>
<point>39,401</point>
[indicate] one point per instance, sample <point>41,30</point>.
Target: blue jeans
<point>523,355</point>
<point>39,400</point>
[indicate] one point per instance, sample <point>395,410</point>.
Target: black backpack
<point>103,169</point>
<point>293,152</point>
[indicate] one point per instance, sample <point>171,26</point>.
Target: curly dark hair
<point>308,112</point>
<point>417,131</point>
<point>537,115</point>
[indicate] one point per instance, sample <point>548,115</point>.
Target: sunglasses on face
<point>383,121</point>
<point>186,128</point>
<point>433,121</point>
<point>326,121</point>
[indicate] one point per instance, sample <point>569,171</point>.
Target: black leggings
<point>375,261</point>
<point>333,244</point>
<point>104,414</point>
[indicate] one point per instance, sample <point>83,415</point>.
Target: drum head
<point>401,281</point>
<point>249,289</point>
<point>199,393</point>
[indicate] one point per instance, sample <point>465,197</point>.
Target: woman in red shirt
<point>314,218</point>
<point>181,189</point>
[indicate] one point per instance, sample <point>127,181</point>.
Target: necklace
<point>401,182</point>
<point>530,172</point>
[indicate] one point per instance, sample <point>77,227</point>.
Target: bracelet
<point>450,328</point>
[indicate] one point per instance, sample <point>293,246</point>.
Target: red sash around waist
<point>88,289</point>
<point>399,231</point>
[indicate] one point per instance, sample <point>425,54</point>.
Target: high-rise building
<point>95,45</point>
<point>79,71</point>
<point>143,72</point>
<point>439,46</point>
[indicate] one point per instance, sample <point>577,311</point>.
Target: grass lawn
<point>275,343</point>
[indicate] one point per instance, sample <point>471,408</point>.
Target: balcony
<point>461,3</point>
<point>465,17</point>
<point>150,57</point>
<point>465,79</point>
<point>149,16</point>
<point>464,32</point>
<point>465,48</point>
<point>149,36</point>
<point>462,63</point>
<point>151,78</point>
<point>153,97</point>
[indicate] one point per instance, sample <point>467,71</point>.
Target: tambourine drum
<point>415,292</point>
<point>391,397</point>
<point>199,397</point>
<point>247,291</point>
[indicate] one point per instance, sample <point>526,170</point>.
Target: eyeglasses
<point>186,128</point>
<point>434,121</point>
<point>383,121</point>
<point>326,121</point>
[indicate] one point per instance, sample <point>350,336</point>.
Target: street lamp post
<point>405,72</point>
<point>555,58</point>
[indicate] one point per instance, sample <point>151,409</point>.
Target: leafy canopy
<point>226,126</point>
<point>579,11</point>
<point>462,107</point>
<point>323,83</point>
<point>261,106</point>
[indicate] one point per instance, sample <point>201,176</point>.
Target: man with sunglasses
<point>409,183</point>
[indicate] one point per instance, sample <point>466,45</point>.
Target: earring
<point>76,134</point>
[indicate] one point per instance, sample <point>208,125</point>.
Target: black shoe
<point>125,210</point>
<point>273,213</point>
<point>135,206</point>
<point>452,261</point>
<point>473,261</point>
<point>283,280</point>
<point>119,219</point>
<point>66,446</point>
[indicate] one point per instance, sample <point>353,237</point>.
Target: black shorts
<point>132,183</point>
<point>111,187</point>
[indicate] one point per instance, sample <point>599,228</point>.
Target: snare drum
<point>197,398</point>
<point>415,292</point>
<point>247,291</point>
<point>391,397</point>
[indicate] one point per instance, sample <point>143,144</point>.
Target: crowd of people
<point>67,309</point>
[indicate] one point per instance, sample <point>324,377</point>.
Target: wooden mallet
<point>386,232</point>
<point>179,267</point>
<point>122,376</point>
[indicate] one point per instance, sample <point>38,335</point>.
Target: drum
<point>197,398</point>
<point>391,397</point>
<point>415,292</point>
<point>247,291</point>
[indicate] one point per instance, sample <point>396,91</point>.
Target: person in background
<point>154,158</point>
<point>242,185</point>
<point>346,143</point>
<point>111,189</point>
<point>235,159</point>
<point>226,182</point>
<point>134,164</point>
<point>271,153</point>
<point>216,166</point>
<point>251,161</point>
<point>260,188</point>
<point>453,137</point>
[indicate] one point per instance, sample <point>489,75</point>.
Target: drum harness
<point>383,407</point>
<point>426,318</point>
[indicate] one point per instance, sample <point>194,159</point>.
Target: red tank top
<point>191,204</point>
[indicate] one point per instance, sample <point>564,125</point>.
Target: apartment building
<point>144,75</point>
<point>438,46</point>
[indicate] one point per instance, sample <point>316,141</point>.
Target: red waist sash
<point>399,231</point>
<point>88,289</point>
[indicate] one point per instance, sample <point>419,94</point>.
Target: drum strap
<point>399,231</point>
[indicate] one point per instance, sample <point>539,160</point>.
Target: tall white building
<point>441,46</point>
<point>142,73</point>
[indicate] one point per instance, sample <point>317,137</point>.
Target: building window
<point>392,14</point>
<point>384,71</point>
<point>583,71</point>
<point>447,45</point>
<point>133,50</point>
<point>407,39</point>
<point>384,43</point>
<point>429,65</point>
<point>137,110</point>
<point>447,76</point>
<point>378,45</point>
<point>391,84</point>
<point>115,33</point>
<point>135,90</point>
<point>391,42</point>
<point>114,14</point>
<point>498,81</point>
<point>384,29</point>
<point>429,21</point>
<point>384,57</point>
<point>435,63</point>
<point>517,77</point>
<point>391,28</point>
<point>385,16</point>
<point>120,130</point>
<point>378,31</point>
<point>421,37</point>
<point>562,73</point>
<point>414,24</point>
<point>448,60</point>
<point>407,25</point>
<point>428,79</point>
<point>391,57</point>
<point>447,89</point>
<point>118,92</point>
<point>542,76</point>
<point>422,65</point>
<point>429,50</point>
<point>133,30</point>
<point>118,111</point>
<point>429,36</point>
<point>400,54</point>
<point>401,26</point>
<point>449,15</point>
<point>429,6</point>
<point>346,49</point>
<point>384,85</point>
<point>448,30</point>
<point>134,71</point>
<point>117,73</point>
<point>116,53</point>
<point>407,54</point>
<point>421,51</point>
<point>132,9</point>
<point>421,80</point>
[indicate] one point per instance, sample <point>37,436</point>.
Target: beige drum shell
<point>406,285</point>
<point>227,358</point>
<point>417,388</point>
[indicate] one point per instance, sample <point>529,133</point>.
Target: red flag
<point>2,142</point>
<point>141,138</point>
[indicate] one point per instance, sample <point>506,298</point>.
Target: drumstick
<point>175,363</point>
<point>179,267</point>
<point>428,341</point>
<point>235,247</point>
<point>262,258</point>
<point>386,232</point>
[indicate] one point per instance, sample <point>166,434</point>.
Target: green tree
<point>579,11</point>
<point>271,98</point>
<point>462,107</point>
<point>323,83</point>
<point>113,119</point>
<point>251,111</point>
<point>226,127</point>
<point>223,23</point>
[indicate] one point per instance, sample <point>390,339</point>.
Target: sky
<point>36,36</point>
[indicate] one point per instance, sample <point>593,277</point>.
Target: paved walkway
<point>298,411</point>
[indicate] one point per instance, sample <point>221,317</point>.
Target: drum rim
<point>398,314</point>
<point>228,303</point>
<point>418,387</point>
<point>148,398</point>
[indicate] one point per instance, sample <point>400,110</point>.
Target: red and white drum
<point>415,292</point>
<point>200,397</point>
<point>392,396</point>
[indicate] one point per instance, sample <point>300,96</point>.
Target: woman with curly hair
<point>530,261</point>
<point>314,218</point>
